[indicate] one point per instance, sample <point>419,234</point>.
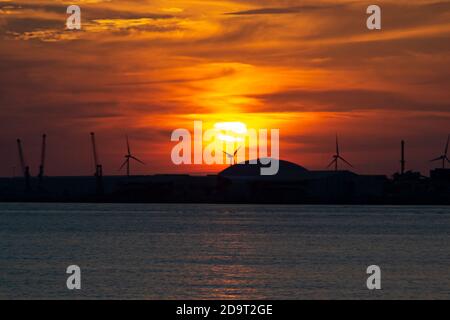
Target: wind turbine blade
<point>446,147</point>
<point>123,165</point>
<point>228,155</point>
<point>134,158</point>
<point>440,158</point>
<point>236,151</point>
<point>128,146</point>
<point>346,161</point>
<point>331,163</point>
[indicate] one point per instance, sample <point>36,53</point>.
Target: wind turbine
<point>337,157</point>
<point>129,156</point>
<point>445,155</point>
<point>232,157</point>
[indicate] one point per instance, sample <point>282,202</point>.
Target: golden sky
<point>144,68</point>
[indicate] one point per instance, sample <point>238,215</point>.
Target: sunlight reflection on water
<point>154,251</point>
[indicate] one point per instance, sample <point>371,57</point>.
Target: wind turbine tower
<point>402,161</point>
<point>444,157</point>
<point>232,157</point>
<point>129,156</point>
<point>42,165</point>
<point>338,157</point>
<point>98,167</point>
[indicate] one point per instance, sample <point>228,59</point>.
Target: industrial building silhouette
<point>240,183</point>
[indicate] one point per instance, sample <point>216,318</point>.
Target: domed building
<point>252,171</point>
<point>243,182</point>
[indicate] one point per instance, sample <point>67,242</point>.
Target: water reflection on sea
<point>159,251</point>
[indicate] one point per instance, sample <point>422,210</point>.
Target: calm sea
<point>160,251</point>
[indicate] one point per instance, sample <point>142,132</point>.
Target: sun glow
<point>236,127</point>
<point>231,131</point>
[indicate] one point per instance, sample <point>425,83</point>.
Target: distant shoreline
<point>293,185</point>
<point>405,204</point>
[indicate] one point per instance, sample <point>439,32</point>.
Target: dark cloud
<point>22,22</point>
<point>224,73</point>
<point>90,11</point>
<point>21,25</point>
<point>343,101</point>
<point>286,10</point>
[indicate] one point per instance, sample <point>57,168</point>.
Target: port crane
<point>25,168</point>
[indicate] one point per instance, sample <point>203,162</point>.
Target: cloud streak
<point>286,10</point>
<point>346,100</point>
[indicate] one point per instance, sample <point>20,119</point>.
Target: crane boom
<point>98,166</point>
<point>94,149</point>
<point>21,157</point>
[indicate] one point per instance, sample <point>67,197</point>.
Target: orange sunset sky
<point>145,68</point>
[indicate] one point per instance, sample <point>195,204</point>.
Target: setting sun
<point>231,131</point>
